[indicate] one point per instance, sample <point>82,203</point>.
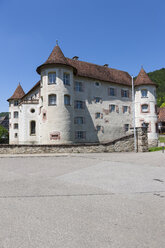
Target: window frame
<point>65,79</point>
<point>78,88</point>
<point>16,126</point>
<point>112,108</point>
<point>80,135</point>
<point>78,104</point>
<point>14,116</point>
<point>54,82</point>
<point>79,122</point>
<point>32,133</point>
<point>147,111</point>
<point>145,96</point>
<point>69,102</point>
<point>49,97</point>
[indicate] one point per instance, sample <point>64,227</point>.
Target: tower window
<point>16,114</point>
<point>144,108</point>
<point>66,78</point>
<point>124,93</point>
<point>144,93</point>
<point>52,100</point>
<point>52,78</point>
<point>15,125</point>
<point>126,127</point>
<point>16,103</point>
<point>66,99</point>
<point>32,128</point>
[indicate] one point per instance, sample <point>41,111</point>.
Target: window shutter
<point>123,109</point>
<point>122,93</point>
<point>128,93</point>
<point>101,116</point>
<point>129,110</point>
<point>115,91</point>
<point>117,109</point>
<point>83,87</point>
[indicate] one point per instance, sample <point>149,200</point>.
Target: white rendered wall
<point>151,116</point>
<point>12,121</point>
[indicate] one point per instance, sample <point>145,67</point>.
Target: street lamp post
<point>133,107</point>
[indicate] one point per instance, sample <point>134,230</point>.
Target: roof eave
<point>39,68</point>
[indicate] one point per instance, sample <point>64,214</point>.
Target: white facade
<point>96,110</point>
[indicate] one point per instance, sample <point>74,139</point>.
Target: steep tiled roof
<point>143,78</point>
<point>161,114</point>
<point>56,57</point>
<point>18,94</point>
<point>33,88</point>
<point>85,69</point>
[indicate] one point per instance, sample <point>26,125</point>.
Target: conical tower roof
<point>56,58</point>
<point>18,93</point>
<point>143,78</point>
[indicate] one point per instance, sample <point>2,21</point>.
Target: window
<point>32,128</point>
<point>16,114</point>
<point>15,125</point>
<point>16,103</point>
<point>79,105</point>
<point>112,108</point>
<point>9,115</point>
<point>32,110</point>
<point>80,135</point>
<point>79,120</point>
<point>66,78</point>
<point>144,93</point>
<point>52,99</point>
<point>98,128</point>
<point>97,115</point>
<point>78,86</point>
<point>111,92</point>
<point>52,78</point>
<point>124,93</point>
<point>97,84</point>
<point>97,100</point>
<point>125,109</point>
<point>126,127</point>
<point>144,108</point>
<point>16,135</point>
<point>66,99</point>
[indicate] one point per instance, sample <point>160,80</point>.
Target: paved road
<point>112,200</point>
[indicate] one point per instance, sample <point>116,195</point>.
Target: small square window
<point>15,125</point>
<point>125,93</point>
<point>97,115</point>
<point>78,86</point>
<point>80,135</point>
<point>112,108</point>
<point>126,127</point>
<point>144,108</point>
<point>98,100</point>
<point>16,135</point>
<point>111,92</point>
<point>144,93</point>
<point>79,120</point>
<point>16,114</point>
<point>125,109</point>
<point>98,128</point>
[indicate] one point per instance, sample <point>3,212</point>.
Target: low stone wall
<point>125,144</point>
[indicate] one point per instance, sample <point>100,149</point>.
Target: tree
<point>163,105</point>
<point>4,135</point>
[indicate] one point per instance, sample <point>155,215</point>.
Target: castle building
<point>80,102</point>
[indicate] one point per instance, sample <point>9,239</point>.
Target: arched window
<point>66,99</point>
<point>32,128</point>
<point>52,99</point>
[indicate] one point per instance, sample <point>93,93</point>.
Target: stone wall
<point>125,144</point>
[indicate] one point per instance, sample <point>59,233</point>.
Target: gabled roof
<point>56,58</point>
<point>18,93</point>
<point>143,79</point>
<point>161,114</point>
<point>85,69</point>
<point>98,72</point>
<point>33,88</point>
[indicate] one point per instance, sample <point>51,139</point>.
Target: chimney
<point>106,65</point>
<point>75,58</point>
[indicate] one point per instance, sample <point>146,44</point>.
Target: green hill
<point>4,114</point>
<point>158,77</point>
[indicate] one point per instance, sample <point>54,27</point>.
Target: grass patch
<point>162,139</point>
<point>154,149</point>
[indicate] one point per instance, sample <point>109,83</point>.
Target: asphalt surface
<point>114,200</point>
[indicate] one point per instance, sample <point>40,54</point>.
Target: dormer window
<point>66,78</point>
<point>52,78</point>
<point>144,93</point>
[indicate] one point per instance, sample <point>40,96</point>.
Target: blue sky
<point>122,33</point>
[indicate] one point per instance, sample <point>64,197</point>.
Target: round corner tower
<point>56,99</point>
<point>145,106</point>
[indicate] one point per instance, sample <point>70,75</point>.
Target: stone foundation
<point>124,144</point>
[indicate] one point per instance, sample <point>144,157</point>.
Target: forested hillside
<point>158,77</point>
